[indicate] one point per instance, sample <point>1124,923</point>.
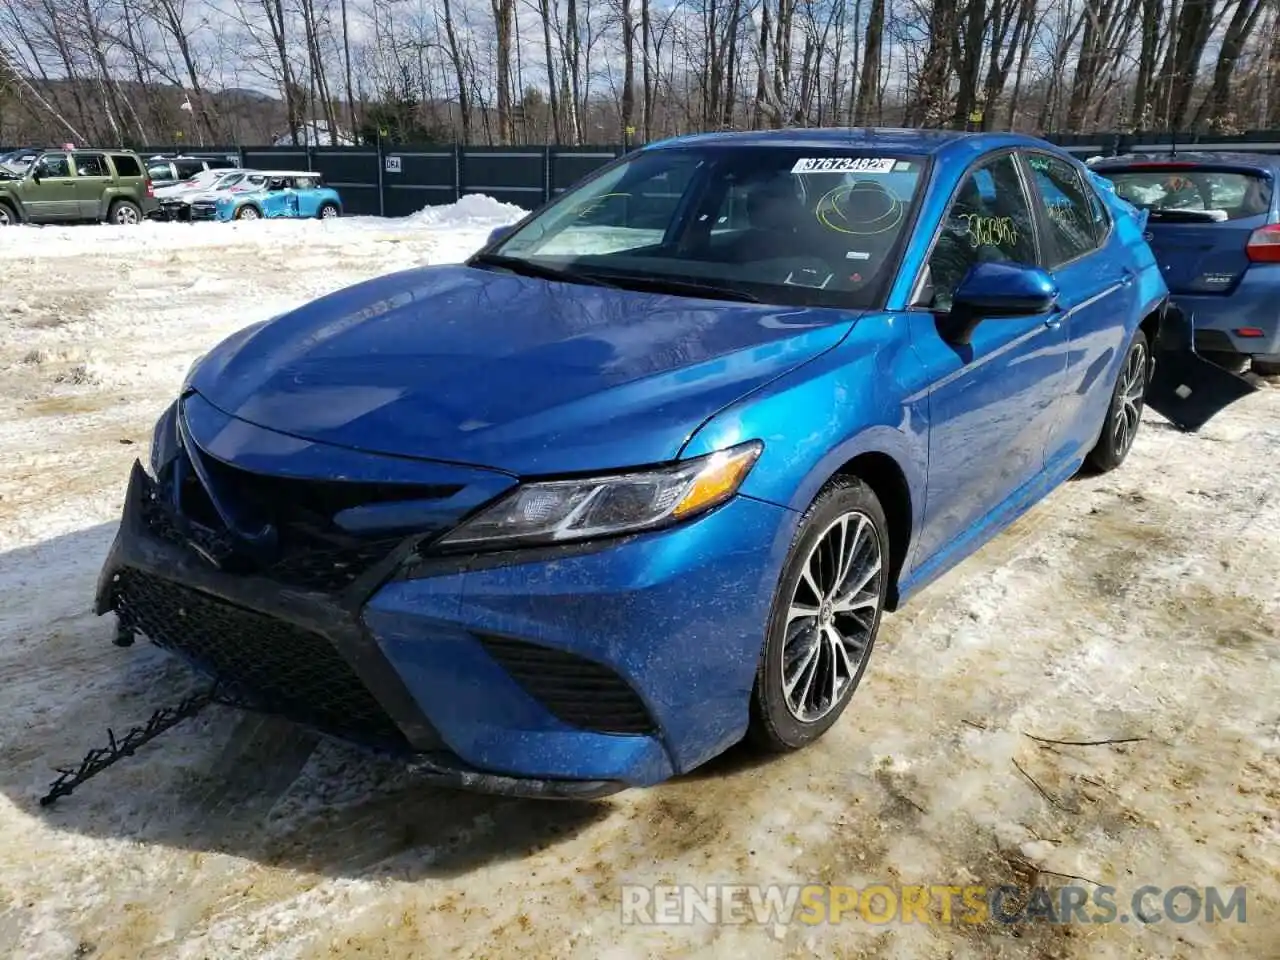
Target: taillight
<point>151,190</point>
<point>1264,244</point>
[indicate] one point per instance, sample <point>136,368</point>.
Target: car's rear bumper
<point>1253,307</point>
<point>555,674</point>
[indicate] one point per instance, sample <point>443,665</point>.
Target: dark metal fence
<point>394,181</point>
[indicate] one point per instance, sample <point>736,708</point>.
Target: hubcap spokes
<point>831,617</point>
<point>1133,388</point>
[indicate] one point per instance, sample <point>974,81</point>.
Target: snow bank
<point>473,210</point>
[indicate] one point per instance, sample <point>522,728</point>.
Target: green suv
<point>63,186</point>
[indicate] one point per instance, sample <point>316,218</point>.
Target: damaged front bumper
<point>298,653</point>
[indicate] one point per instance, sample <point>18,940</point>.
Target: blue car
<point>639,479</point>
<point>285,194</point>
<point>1214,223</point>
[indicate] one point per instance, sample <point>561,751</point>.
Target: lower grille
<point>580,692</point>
<point>283,668</point>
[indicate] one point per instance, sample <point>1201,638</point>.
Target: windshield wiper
<point>691,287</point>
<point>531,269</point>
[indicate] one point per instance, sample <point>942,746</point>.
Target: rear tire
<point>1124,415</point>
<point>328,211</point>
<point>825,616</point>
<point>125,213</point>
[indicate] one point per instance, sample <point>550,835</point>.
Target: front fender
<point>844,403</point>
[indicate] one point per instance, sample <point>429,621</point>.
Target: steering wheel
<point>863,208</point>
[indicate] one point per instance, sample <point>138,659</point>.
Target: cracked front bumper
<point>545,674</point>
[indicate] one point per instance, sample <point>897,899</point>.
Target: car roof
<point>1255,161</point>
<point>892,139</point>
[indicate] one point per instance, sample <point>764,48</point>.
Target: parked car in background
<point>166,171</point>
<point>639,478</point>
<point>65,186</point>
<point>286,194</point>
<point>17,161</point>
<point>175,201</point>
<point>1214,223</point>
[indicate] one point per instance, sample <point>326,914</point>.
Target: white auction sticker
<point>844,165</point>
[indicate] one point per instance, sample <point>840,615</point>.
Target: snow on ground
<point>1141,604</point>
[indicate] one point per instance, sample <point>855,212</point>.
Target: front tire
<point>7,215</point>
<point>1124,415</point>
<point>248,213</point>
<point>826,613</point>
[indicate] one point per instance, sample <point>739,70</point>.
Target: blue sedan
<point>1214,223</point>
<point>640,478</point>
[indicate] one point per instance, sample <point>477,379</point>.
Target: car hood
<point>525,375</point>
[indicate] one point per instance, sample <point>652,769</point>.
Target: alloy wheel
<point>5,219</point>
<point>831,617</point>
<point>328,213</point>
<point>248,213</point>
<point>1133,388</point>
<point>126,215</point>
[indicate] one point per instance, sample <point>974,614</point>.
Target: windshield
<point>17,158</point>
<point>782,225</point>
<point>1220,194</point>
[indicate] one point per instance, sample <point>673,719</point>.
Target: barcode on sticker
<point>844,165</point>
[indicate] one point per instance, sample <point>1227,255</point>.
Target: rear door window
<point>1212,194</point>
<point>1064,204</point>
<point>160,170</point>
<point>91,165</point>
<point>188,168</point>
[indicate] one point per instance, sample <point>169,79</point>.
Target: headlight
<point>569,510</point>
<point>164,442</point>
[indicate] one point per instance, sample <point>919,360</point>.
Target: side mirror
<point>497,234</point>
<point>991,291</point>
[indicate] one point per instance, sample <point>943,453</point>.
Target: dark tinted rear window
<point>188,168</point>
<point>1236,194</point>
<point>126,166</point>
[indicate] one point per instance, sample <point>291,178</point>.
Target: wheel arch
<point>881,459</point>
<point>14,204</point>
<point>883,474</point>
